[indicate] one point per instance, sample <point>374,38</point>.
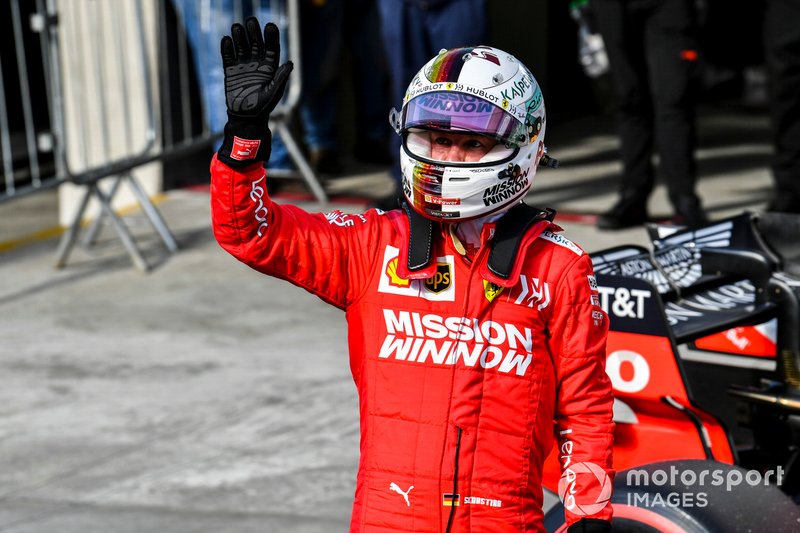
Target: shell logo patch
<point>440,287</point>
<point>394,279</point>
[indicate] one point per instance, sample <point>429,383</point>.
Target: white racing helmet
<point>477,90</point>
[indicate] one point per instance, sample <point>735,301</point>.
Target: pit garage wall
<point>110,90</point>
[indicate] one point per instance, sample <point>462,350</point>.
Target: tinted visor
<point>456,111</point>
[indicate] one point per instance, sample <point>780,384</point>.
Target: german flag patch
<point>450,500</point>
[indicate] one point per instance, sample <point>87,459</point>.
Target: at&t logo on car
<point>623,302</point>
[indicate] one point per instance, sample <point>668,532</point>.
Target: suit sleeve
<point>584,406</point>
<point>322,253</point>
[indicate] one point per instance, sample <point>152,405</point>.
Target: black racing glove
<point>590,525</point>
<point>253,86</point>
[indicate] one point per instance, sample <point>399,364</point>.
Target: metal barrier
<point>25,138</point>
<point>117,85</point>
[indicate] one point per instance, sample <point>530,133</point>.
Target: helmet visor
<point>429,146</point>
<point>449,110</point>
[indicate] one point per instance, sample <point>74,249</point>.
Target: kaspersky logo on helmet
<point>519,87</point>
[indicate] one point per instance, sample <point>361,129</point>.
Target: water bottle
<point>591,49</point>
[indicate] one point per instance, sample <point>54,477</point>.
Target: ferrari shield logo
<point>441,280</point>
<point>491,290</point>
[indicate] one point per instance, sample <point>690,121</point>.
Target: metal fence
<point>92,91</point>
<point>26,140</point>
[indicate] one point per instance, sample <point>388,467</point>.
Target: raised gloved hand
<point>254,84</point>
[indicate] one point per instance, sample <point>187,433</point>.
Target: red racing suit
<point>464,379</point>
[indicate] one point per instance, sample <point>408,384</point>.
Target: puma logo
<point>395,488</point>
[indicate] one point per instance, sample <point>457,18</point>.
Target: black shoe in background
<point>689,213</point>
<point>627,213</point>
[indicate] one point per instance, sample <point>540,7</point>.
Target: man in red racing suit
<point>469,360</point>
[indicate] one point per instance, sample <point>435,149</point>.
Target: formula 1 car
<point>704,358</point>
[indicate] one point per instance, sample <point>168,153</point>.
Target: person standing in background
<point>204,21</point>
<point>782,54</point>
<point>653,53</point>
<point>327,28</point>
<point>413,32</point>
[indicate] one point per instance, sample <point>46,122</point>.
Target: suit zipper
<point>455,482</point>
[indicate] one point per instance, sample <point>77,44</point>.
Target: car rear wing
<point>739,271</point>
<point>709,280</point>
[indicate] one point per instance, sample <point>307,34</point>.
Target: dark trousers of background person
<point>652,49</point>
<point>326,28</point>
<point>413,33</point>
<point>782,53</point>
<point>330,28</point>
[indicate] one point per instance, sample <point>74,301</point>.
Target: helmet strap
<point>510,231</point>
<point>420,239</point>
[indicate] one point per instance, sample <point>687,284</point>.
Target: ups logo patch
<point>441,280</point>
